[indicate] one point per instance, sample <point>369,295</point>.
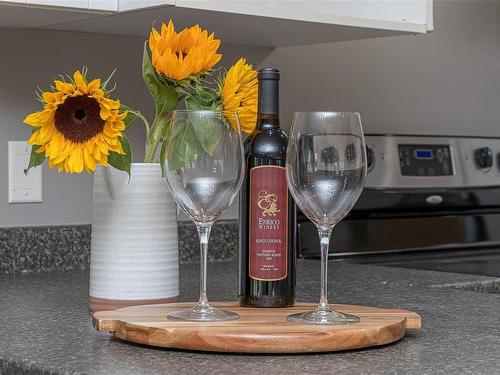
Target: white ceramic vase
<point>134,253</point>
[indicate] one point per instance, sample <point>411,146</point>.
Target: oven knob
<point>370,158</point>
<point>484,157</point>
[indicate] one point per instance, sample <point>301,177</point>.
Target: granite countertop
<point>45,327</point>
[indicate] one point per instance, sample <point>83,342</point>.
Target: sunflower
<point>78,126</point>
<point>180,55</point>
<point>239,94</point>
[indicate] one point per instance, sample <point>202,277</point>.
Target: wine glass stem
<point>324,239</point>
<point>204,234</point>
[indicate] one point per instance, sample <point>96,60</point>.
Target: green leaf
<point>184,146</point>
<point>36,158</point>
<point>205,96</point>
<point>119,161</point>
<point>192,104</point>
<point>165,96</point>
<point>208,130</point>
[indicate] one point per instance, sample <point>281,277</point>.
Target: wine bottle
<point>267,210</point>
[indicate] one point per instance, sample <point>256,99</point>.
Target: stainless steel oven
<point>427,199</point>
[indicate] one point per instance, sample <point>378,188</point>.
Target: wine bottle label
<point>268,223</point>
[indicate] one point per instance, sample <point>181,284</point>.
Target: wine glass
<point>326,172</point>
<point>204,166</point>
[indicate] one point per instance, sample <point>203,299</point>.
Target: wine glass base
<point>324,317</point>
<point>210,314</point>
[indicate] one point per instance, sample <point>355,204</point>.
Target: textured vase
<point>134,256</point>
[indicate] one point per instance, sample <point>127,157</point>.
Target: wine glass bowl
<point>326,172</point>
<point>204,168</point>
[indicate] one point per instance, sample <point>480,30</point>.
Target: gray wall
<point>32,58</point>
<point>445,82</point>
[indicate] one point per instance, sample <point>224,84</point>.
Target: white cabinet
<point>124,5</point>
<point>24,15</point>
<point>403,15</point>
<point>266,23</point>
<point>111,5</point>
<point>62,3</point>
<point>105,5</point>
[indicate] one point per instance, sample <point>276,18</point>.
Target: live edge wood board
<point>257,331</point>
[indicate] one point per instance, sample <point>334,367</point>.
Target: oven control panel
<point>425,160</point>
<point>396,161</point>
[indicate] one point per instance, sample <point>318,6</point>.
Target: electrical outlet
<point>23,187</point>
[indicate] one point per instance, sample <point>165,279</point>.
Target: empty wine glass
<point>326,172</point>
<point>204,167</point>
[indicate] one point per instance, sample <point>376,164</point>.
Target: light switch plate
<point>23,188</point>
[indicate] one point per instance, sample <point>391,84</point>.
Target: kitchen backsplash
<point>67,247</point>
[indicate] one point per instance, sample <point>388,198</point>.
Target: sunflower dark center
<point>78,118</point>
<point>80,114</point>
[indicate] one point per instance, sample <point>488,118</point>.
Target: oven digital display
<point>425,160</point>
<point>424,154</point>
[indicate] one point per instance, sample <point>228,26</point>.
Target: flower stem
<point>144,120</point>
<point>153,138</point>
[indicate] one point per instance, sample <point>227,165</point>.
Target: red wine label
<point>268,223</point>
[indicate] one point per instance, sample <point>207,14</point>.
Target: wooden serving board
<point>259,330</point>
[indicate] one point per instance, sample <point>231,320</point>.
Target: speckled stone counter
<point>67,247</point>
<point>41,249</point>
<point>45,326</point>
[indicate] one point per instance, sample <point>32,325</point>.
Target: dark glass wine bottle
<point>267,210</point>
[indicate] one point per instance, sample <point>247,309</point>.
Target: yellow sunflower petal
<point>180,55</point>
<point>239,94</point>
<point>39,118</point>
<point>97,93</point>
<point>90,163</point>
<point>33,139</point>
<point>117,148</point>
<point>40,149</point>
<point>97,155</point>
<point>76,160</point>
<point>111,104</point>
<point>64,87</point>
<point>81,85</point>
<point>52,97</point>
<point>46,133</point>
<point>105,112</point>
<point>93,86</point>
<point>59,166</point>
